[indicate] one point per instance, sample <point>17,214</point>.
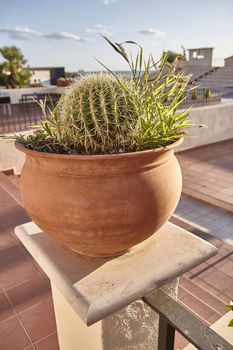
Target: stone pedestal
<point>97,301</point>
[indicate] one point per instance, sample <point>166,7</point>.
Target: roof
<point>44,68</point>
<point>201,48</point>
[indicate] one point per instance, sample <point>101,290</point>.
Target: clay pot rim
<point>34,153</point>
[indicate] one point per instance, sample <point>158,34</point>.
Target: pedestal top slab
<point>97,287</point>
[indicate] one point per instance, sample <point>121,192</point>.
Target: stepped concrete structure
<point>199,67</point>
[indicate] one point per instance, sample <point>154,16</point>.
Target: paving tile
<point>208,287</point>
<point>6,310</point>
<point>10,255</point>
<point>18,272</point>
<point>181,292</point>
<point>49,343</point>
<point>229,292</point>
<point>180,342</point>
<point>12,335</point>
<point>227,268</point>
<point>197,306</point>
<point>13,216</point>
<point>39,320</point>
<point>213,301</point>
<point>213,318</point>
<point>6,240</point>
<point>29,293</point>
<point>218,280</point>
<point>225,298</point>
<point>199,269</point>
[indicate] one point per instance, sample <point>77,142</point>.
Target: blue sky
<point>66,32</point>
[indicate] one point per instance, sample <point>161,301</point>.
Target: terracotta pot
<point>101,205</point>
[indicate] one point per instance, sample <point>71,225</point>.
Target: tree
<point>171,56</point>
<point>11,70</point>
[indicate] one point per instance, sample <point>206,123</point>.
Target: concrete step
<point>11,187</point>
<point>11,176</point>
<point>214,302</point>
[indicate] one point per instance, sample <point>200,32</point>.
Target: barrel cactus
<point>96,115</point>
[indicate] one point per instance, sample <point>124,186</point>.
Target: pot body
<point>101,205</point>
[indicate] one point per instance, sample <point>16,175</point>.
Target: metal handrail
<point>174,316</point>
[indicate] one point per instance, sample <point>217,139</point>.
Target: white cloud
<point>26,33</point>
<point>155,32</point>
<point>64,36</point>
<point>20,33</point>
<point>107,2</point>
<point>100,28</point>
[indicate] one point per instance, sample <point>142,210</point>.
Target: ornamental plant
<point>108,113</point>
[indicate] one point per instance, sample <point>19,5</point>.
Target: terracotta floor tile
<point>227,268</point>
<point>10,255</point>
<point>6,200</point>
<point>49,343</point>
<point>180,342</point>
<point>218,280</point>
<point>6,240</point>
<point>229,292</point>
<point>197,306</point>
<point>6,310</point>
<point>225,298</point>
<point>39,320</point>
<point>204,295</point>
<point>213,318</point>
<point>13,216</point>
<point>29,293</point>
<point>19,272</point>
<point>181,293</point>
<point>207,286</point>
<point>12,335</point>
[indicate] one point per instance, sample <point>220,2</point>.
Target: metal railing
<point>19,117</point>
<point>173,316</point>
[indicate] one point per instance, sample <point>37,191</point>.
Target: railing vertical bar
<point>166,335</point>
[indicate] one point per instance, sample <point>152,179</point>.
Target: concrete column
<point>132,327</point>
<point>97,301</point>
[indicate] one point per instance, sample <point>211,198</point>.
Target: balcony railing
<point>19,117</point>
<point>175,317</point>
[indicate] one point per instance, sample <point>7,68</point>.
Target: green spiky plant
<point>108,113</point>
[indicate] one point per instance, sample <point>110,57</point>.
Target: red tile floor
<point>208,173</point>
<point>26,310</point>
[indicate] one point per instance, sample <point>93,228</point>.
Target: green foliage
<point>207,93</point>
<point>173,56</point>
<point>11,70</point>
<point>194,95</point>
<point>159,91</point>
<point>230,324</point>
<point>108,113</point>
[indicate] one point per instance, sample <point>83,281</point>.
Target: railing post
<point>166,335</point>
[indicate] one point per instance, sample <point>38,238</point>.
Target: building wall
<point>219,125</point>
<point>196,59</point>
<point>228,61</point>
<point>40,76</point>
<point>15,94</point>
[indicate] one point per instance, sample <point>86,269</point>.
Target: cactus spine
<point>97,116</point>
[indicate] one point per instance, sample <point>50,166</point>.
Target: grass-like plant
<point>108,113</point>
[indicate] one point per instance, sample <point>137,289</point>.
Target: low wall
<point>10,157</point>
<point>15,94</point>
<point>219,122</point>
